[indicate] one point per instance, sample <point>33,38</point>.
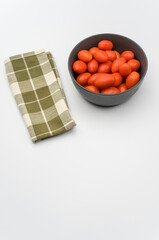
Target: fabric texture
<point>37,88</point>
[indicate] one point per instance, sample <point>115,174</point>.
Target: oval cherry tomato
<point>79,66</point>
<point>134,64</point>
<point>82,79</point>
<point>85,55</point>
<point>132,79</point>
<point>108,71</point>
<point>117,63</point>
<point>105,45</point>
<point>92,66</point>
<point>125,69</point>
<point>111,55</point>
<point>93,50</point>
<point>105,67</point>
<point>118,79</point>
<point>122,87</point>
<point>117,54</point>
<point>92,88</point>
<point>101,56</point>
<point>128,55</point>
<point>104,80</point>
<point>92,79</point>
<point>110,90</point>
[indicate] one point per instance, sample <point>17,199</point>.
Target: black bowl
<point>121,44</point>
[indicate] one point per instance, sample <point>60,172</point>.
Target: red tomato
<point>134,64</point>
<point>104,80</point>
<point>110,90</point>
<point>92,66</point>
<point>118,79</point>
<point>125,69</point>
<point>105,67</point>
<point>101,56</point>
<point>111,55</point>
<point>93,50</point>
<point>128,55</point>
<point>108,71</point>
<point>132,79</point>
<point>122,87</point>
<point>79,66</point>
<point>117,63</point>
<point>85,55</point>
<point>92,79</point>
<point>92,88</point>
<point>117,54</point>
<point>105,45</point>
<point>82,79</point>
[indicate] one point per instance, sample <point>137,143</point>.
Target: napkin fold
<point>37,88</point>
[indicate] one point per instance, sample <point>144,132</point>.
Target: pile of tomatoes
<point>104,70</point>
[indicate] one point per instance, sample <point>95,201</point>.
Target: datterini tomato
<point>134,64</point>
<point>92,66</point>
<point>93,50</point>
<point>92,88</point>
<point>132,79</point>
<point>108,71</point>
<point>85,55</point>
<point>110,90</point>
<point>92,78</point>
<point>82,79</point>
<point>125,69</point>
<point>79,66</point>
<point>128,55</point>
<point>104,80</point>
<point>101,56</point>
<point>105,67</point>
<point>122,87</point>
<point>105,45</point>
<point>111,55</point>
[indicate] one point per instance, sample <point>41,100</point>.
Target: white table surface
<point>100,180</point>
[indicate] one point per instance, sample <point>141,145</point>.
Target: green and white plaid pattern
<point>37,88</point>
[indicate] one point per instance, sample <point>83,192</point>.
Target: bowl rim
<point>100,94</point>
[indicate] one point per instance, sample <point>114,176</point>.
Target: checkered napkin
<point>37,88</point>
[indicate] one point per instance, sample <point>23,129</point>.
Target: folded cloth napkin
<point>37,88</point>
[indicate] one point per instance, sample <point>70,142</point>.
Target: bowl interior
<point>120,43</point>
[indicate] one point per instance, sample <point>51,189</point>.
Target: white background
<point>101,179</point>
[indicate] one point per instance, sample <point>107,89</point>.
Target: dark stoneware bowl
<point>121,44</point>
